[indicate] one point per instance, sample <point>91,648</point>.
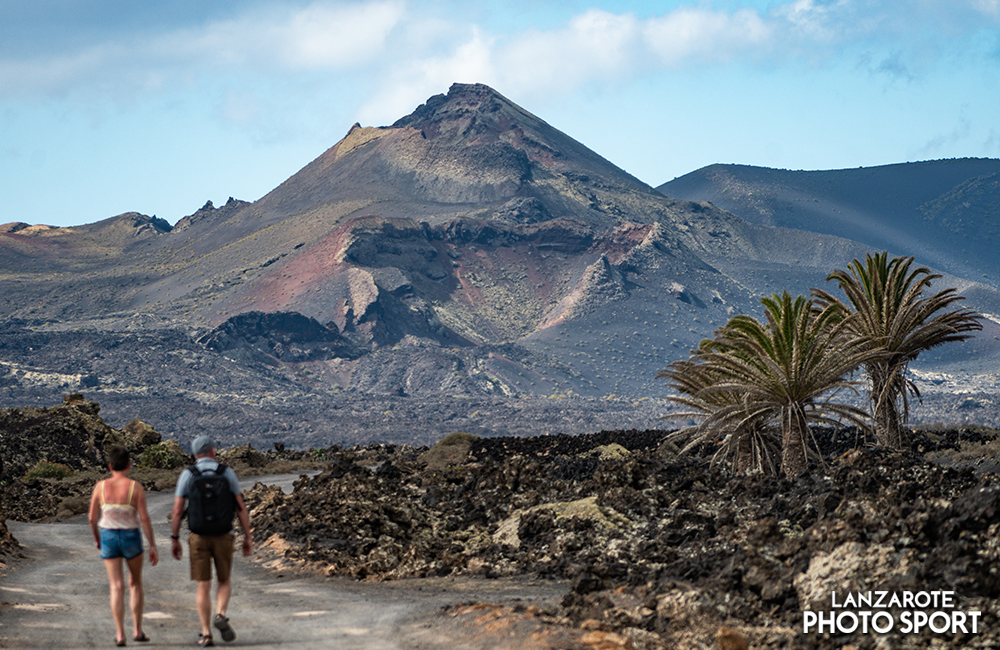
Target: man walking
<point>211,494</point>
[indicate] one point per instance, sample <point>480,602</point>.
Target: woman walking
<point>117,511</point>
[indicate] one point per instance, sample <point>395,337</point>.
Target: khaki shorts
<point>208,548</point>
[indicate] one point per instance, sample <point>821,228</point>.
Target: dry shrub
<point>453,449</point>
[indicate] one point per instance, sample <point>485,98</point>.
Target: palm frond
<point>756,378</point>
<point>890,313</point>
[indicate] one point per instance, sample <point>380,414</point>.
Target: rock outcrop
<point>72,435</point>
<point>271,338</point>
<point>660,549</point>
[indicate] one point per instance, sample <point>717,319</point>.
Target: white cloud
<point>318,36</point>
<point>416,79</point>
<point>987,7</point>
<point>407,49</point>
<point>595,45</point>
<point>938,143</point>
<point>812,20</point>
<point>992,143</point>
<point>592,45</point>
<point>703,35</point>
<point>321,36</point>
<point>598,46</point>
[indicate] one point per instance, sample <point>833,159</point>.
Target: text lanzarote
<point>906,612</point>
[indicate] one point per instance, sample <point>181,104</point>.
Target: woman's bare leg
<point>116,585</point>
<point>137,597</point>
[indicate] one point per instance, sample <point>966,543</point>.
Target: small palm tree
<point>896,322</point>
<point>781,375</point>
<point>747,443</point>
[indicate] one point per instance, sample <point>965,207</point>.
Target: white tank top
<point>118,516</point>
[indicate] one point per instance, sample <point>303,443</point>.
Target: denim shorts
<point>125,543</point>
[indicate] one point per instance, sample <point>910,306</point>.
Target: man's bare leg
<point>222,595</point>
<point>204,603</point>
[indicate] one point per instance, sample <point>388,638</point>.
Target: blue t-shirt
<point>205,464</point>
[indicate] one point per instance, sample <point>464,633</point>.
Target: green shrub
<point>46,469</point>
<point>160,456</point>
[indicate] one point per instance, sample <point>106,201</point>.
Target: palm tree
<point>896,323</point>
<point>747,443</point>
<point>779,375</point>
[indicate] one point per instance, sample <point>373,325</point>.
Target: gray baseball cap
<point>202,444</point>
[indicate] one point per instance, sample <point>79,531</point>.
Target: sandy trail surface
<point>57,597</point>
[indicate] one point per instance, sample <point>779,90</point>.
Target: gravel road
<point>58,598</point>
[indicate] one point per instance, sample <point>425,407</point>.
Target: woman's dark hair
<point>118,458</point>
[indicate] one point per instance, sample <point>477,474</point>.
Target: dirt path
<point>58,598</point>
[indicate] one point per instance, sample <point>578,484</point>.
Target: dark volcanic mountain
<point>467,268</point>
<point>946,213</point>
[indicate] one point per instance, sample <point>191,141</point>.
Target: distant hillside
<point>946,212</point>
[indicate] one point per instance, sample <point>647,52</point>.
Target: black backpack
<point>211,502</point>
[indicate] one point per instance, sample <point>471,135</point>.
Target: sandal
<point>120,644</point>
<point>205,640</point>
<point>225,629</point>
<point>142,638</point>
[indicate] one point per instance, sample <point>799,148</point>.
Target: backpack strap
<point>220,469</point>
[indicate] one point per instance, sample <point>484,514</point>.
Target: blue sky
<point>109,106</point>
